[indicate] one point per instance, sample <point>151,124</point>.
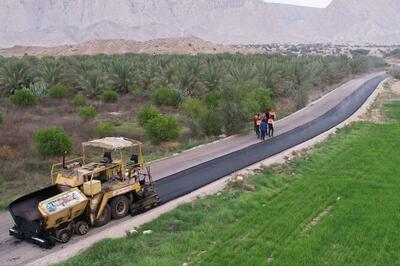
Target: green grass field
<point>339,205</point>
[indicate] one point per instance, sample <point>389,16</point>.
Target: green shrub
<point>23,98</point>
<point>212,100</point>
<point>395,72</point>
<point>211,123</point>
<point>52,141</point>
<point>87,112</point>
<point>58,91</point>
<point>146,114</point>
<point>165,96</point>
<point>163,128</point>
<point>79,101</point>
<point>1,118</point>
<point>109,96</point>
<point>263,98</point>
<point>192,108</point>
<point>105,129</point>
<point>39,89</point>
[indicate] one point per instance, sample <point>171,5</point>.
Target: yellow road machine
<point>108,181</point>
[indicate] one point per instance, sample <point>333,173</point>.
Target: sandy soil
<point>184,45</point>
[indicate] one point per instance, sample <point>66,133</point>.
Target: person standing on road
<point>272,115</point>
<point>257,123</point>
<point>263,128</point>
<point>267,113</point>
<point>270,127</point>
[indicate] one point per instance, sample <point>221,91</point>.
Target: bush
<point>52,141</point>
<point>165,96</point>
<point>87,112</point>
<point>163,128</point>
<point>109,96</point>
<point>263,99</point>
<point>211,123</point>
<point>395,72</point>
<point>146,114</point>
<point>79,101</point>
<point>1,118</point>
<point>192,108</point>
<point>23,98</point>
<point>213,100</point>
<point>39,89</point>
<point>105,129</point>
<point>58,91</point>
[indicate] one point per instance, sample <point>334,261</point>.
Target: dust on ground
<point>390,92</point>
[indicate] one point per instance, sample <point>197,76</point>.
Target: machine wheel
<point>119,207</point>
<point>64,235</point>
<point>81,228</point>
<point>136,209</point>
<point>104,218</point>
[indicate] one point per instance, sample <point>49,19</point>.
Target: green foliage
<point>263,99</point>
<point>105,129</point>
<point>165,96</point>
<point>109,96</point>
<point>39,89</point>
<point>147,113</point>
<point>121,75</point>
<point>58,91</point>
<point>1,118</point>
<point>395,72</point>
<point>52,142</point>
<point>87,112</point>
<point>14,74</point>
<point>79,101</point>
<point>212,100</point>
<point>234,110</point>
<point>52,71</point>
<point>192,108</point>
<point>23,98</point>
<point>211,123</point>
<point>162,128</point>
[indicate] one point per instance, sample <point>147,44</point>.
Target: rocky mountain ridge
<point>51,23</point>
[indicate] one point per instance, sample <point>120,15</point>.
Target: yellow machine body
<point>63,207</point>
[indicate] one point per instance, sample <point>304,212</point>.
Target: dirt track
<point>13,252</point>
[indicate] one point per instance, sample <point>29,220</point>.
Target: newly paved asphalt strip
<point>186,181</point>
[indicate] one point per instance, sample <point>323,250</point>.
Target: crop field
<point>338,205</point>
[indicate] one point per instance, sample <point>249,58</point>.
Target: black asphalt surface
<point>188,180</point>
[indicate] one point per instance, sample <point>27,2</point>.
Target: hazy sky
<point>313,3</point>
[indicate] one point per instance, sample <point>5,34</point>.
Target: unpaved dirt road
<point>15,252</point>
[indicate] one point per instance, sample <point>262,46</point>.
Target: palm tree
<point>121,75</point>
<point>243,76</point>
<point>212,76</point>
<point>14,74</point>
<point>51,71</point>
<point>270,77</point>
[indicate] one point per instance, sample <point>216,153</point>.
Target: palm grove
<point>209,94</point>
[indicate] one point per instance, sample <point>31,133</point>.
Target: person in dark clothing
<point>257,123</point>
<point>267,114</point>
<point>270,127</point>
<point>263,128</point>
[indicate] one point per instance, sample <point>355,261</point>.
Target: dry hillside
<point>52,23</point>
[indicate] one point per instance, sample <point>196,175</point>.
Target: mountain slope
<point>48,22</point>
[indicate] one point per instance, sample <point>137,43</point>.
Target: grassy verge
<point>337,206</point>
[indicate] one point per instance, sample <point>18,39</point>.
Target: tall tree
<point>51,71</point>
<point>14,74</point>
<point>121,75</point>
